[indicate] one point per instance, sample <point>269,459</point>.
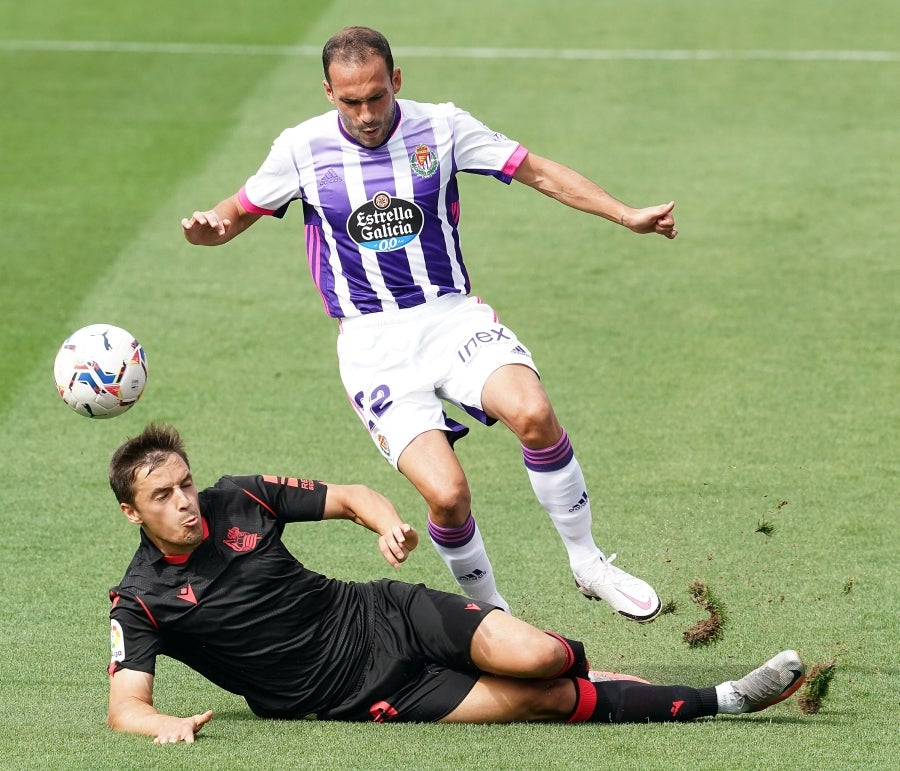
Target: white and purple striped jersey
<point>381,223</point>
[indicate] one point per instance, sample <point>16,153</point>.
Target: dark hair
<point>150,449</point>
<point>355,45</point>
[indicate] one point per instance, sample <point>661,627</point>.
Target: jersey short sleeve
<point>287,499</point>
<point>276,183</point>
<point>279,180</point>
<point>480,150</point>
<point>133,638</point>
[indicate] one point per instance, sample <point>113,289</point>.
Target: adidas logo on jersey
<point>329,178</point>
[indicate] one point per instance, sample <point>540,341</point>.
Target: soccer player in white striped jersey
<point>376,180</point>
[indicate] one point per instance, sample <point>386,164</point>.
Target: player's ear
<point>396,80</point>
<point>131,513</point>
<point>329,94</point>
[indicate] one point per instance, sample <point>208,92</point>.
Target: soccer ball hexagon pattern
<point>100,371</point>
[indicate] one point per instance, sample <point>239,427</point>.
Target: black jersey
<point>241,609</point>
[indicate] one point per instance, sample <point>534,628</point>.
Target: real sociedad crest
<point>423,161</point>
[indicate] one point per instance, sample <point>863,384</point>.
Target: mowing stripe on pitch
<point>574,54</point>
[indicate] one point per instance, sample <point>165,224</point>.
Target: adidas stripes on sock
<point>620,701</point>
<point>558,482</point>
<point>462,550</point>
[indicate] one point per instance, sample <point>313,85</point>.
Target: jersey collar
<point>175,559</point>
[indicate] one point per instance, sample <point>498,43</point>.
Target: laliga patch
<point>116,642</point>
<point>385,224</point>
<point>423,161</point>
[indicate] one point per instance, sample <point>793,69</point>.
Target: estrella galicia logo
<point>385,224</point>
<point>423,161</point>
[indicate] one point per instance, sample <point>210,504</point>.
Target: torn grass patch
<point>815,689</point>
<point>707,630</point>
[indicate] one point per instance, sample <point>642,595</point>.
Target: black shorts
<point>420,669</point>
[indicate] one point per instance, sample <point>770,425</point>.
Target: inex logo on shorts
<point>385,224</point>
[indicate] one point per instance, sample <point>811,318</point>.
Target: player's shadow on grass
<point>697,676</point>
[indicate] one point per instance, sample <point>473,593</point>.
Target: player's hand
<point>397,543</point>
<point>181,729</point>
<point>653,219</point>
<point>203,226</point>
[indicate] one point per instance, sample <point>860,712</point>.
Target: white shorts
<point>398,365</point>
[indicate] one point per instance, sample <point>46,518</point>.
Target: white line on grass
<point>583,54</point>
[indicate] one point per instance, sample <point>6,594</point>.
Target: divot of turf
<point>815,689</point>
<point>707,630</point>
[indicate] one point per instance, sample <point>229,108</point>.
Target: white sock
<point>559,485</point>
<point>729,702</point>
<point>462,550</point>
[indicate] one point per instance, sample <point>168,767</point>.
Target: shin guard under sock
<point>462,550</point>
<point>619,701</point>
<point>558,483</point>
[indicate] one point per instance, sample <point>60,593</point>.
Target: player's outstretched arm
<point>219,224</point>
<point>131,710</point>
<point>372,510</point>
<point>577,191</point>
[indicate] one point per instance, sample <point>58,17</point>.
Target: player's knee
<point>449,504</point>
<point>552,700</point>
<point>536,426</point>
<point>548,657</point>
<point>530,416</point>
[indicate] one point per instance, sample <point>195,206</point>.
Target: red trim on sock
<point>570,655</point>
<point>585,701</point>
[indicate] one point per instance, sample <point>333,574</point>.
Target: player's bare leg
<point>505,645</point>
<point>514,395</point>
<point>433,468</point>
<point>506,700</point>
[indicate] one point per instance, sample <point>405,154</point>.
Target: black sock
<point>623,701</point>
<point>576,659</point>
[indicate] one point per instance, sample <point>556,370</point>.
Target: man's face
<point>364,97</point>
<point>167,506</point>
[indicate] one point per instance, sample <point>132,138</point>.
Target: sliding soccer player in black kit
<point>212,585</point>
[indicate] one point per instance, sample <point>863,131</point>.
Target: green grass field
<point>746,373</point>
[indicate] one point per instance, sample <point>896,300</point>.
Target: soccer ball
<point>100,371</point>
